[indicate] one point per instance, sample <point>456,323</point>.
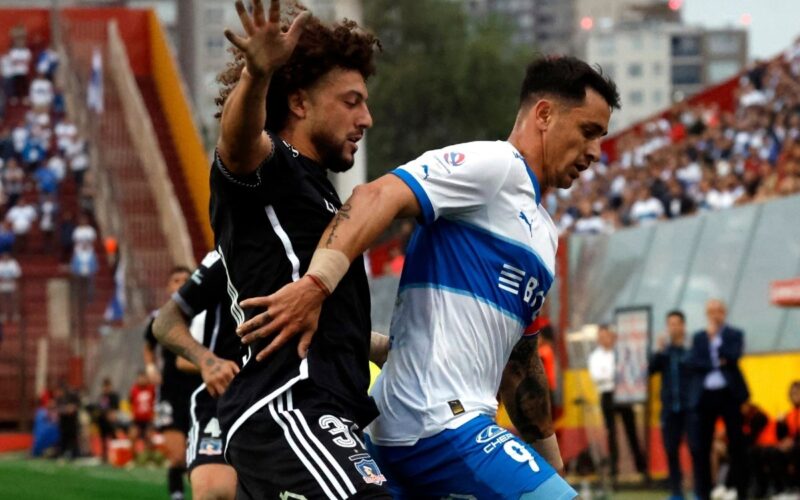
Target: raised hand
<point>265,46</point>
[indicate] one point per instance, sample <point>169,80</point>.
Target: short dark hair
<point>179,269</point>
<point>320,49</point>
<point>678,313</point>
<point>566,77</point>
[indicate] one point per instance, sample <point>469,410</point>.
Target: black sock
<point>175,482</point>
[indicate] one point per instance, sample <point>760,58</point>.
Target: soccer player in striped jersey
<point>476,275</point>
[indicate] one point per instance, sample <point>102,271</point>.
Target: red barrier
<point>15,442</point>
<point>133,28</point>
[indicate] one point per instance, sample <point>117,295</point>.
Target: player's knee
<point>214,492</point>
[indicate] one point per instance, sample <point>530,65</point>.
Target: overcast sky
<point>774,23</point>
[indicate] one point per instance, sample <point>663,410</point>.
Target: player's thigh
<point>175,446</point>
<point>213,482</point>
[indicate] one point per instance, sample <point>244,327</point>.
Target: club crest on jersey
<point>489,433</point>
<point>210,447</point>
<point>454,158</point>
<point>369,471</point>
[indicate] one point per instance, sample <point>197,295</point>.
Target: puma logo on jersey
<point>524,219</point>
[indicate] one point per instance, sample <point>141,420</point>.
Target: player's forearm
<point>172,332</point>
<point>185,365</point>
<point>242,122</point>
<point>525,392</point>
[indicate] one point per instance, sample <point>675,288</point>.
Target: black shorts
<point>300,446</point>
<point>206,439</point>
<point>172,414</point>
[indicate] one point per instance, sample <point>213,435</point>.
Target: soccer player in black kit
<point>210,350</point>
<point>294,107</point>
<point>174,388</point>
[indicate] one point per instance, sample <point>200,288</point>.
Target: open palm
<point>265,46</point>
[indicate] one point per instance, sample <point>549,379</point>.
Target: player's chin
<point>342,164</point>
<point>565,182</point>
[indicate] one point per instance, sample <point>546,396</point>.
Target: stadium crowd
<point>41,148</point>
<point>696,158</point>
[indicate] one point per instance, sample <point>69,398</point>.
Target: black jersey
<point>206,290</point>
<point>176,385</point>
<point>267,226</point>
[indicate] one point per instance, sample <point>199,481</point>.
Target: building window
<point>686,45</point>
<point>215,45</point>
<point>637,42</point>
<point>687,74</point>
<point>635,70</point>
<point>657,68</point>
<point>721,70</point>
<point>723,44</point>
<point>635,97</point>
<point>658,97</point>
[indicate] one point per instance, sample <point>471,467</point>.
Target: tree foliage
<point>444,77</point>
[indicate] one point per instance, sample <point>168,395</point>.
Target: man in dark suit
<point>671,362</point>
<point>717,389</point>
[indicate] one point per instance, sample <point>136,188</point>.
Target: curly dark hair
<point>320,49</point>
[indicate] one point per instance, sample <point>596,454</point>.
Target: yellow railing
<point>175,101</point>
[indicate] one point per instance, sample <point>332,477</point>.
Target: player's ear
<point>298,103</point>
<point>542,113</point>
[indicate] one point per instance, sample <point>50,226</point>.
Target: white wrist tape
<point>548,449</point>
<point>329,266</point>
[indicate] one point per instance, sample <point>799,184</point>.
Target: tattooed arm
<point>171,328</point>
<point>526,396</point>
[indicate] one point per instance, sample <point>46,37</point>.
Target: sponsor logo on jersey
<point>510,279</point>
<point>210,447</point>
<point>454,158</point>
<point>331,208</point>
<point>369,471</point>
<point>492,437</point>
<point>489,433</point>
<point>426,171</point>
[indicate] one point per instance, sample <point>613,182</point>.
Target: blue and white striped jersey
<point>476,274</point>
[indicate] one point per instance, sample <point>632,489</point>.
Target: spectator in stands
<point>47,63</point>
<point>143,400</point>
<point>676,202</point>
<point>22,215</point>
<point>84,267</point>
<point>66,135</point>
<point>47,222</point>
<point>10,273</point>
<point>6,143</point>
<point>646,209</point>
<point>13,182</point>
<point>78,163</point>
<point>46,181</point>
<point>84,233</point>
<point>670,360</point>
<point>41,93</point>
<point>589,222</point>
<point>7,74</point>
<point>7,237</point>
<point>602,370</point>
<point>58,166</point>
<point>65,230</point>
<point>717,389</point>
<point>20,64</point>
<point>107,407</point>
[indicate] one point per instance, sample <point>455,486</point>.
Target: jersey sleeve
<point>149,336</point>
<point>455,179</point>
<point>205,288</point>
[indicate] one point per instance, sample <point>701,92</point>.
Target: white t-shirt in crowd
<point>647,211</point>
<point>21,218</point>
<point>41,93</point>
<point>58,166</point>
<point>20,60</point>
<point>10,272</point>
<point>84,234</point>
<point>47,222</point>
